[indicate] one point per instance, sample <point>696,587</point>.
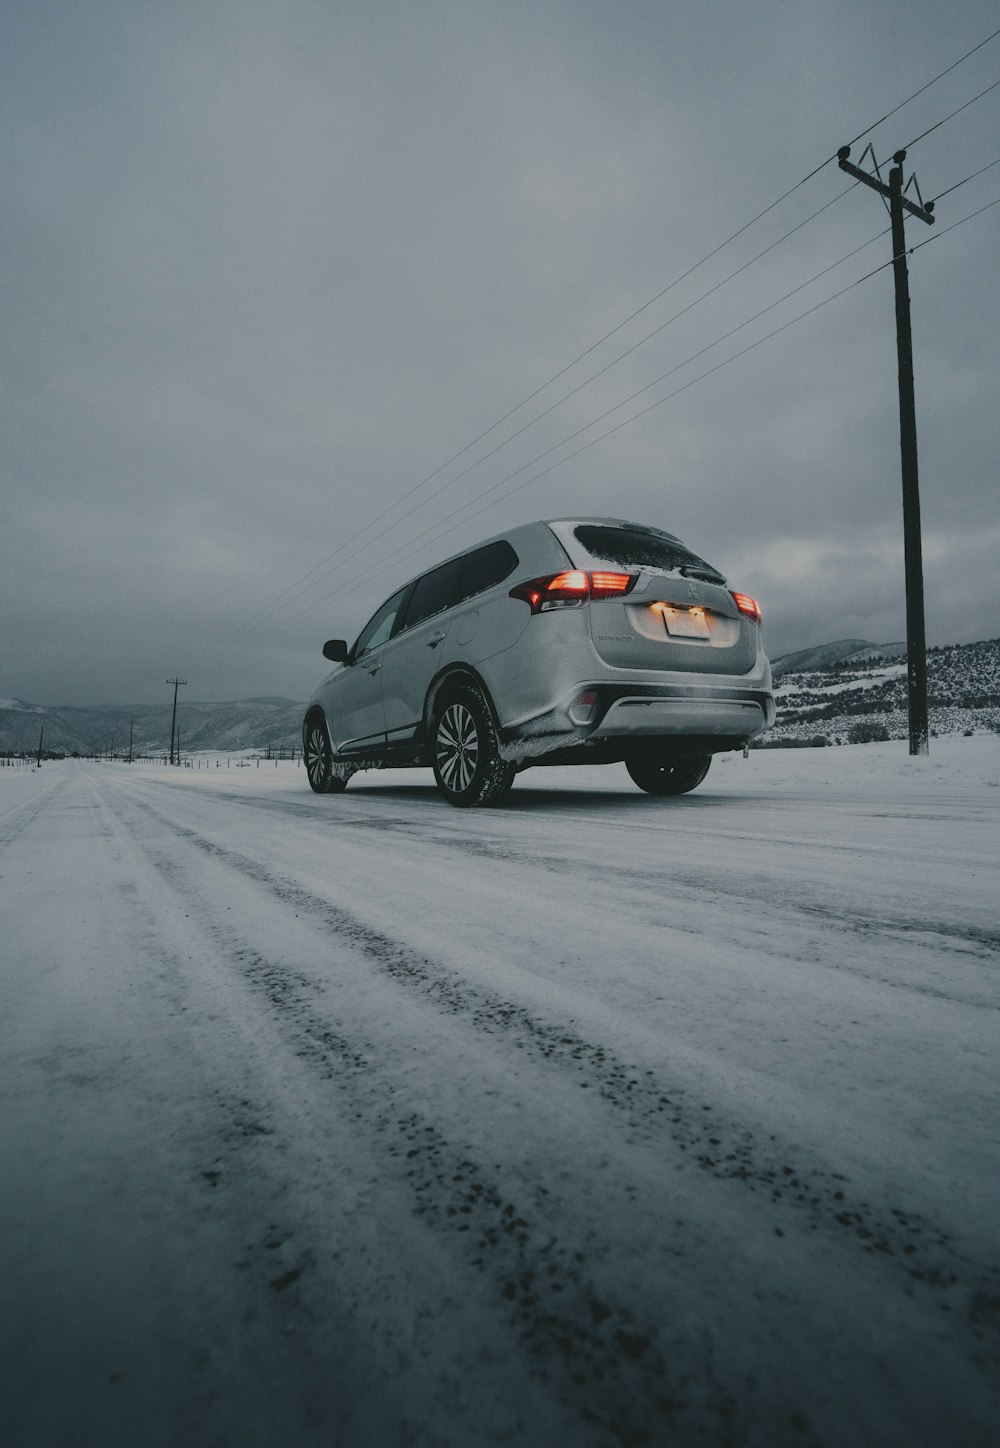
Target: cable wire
<point>956,224</point>
<point>962,183</point>
<point>573,392</point>
<point>284,595</point>
<point>269,607</point>
<point>408,546</point>
<point>593,422</point>
<point>946,119</point>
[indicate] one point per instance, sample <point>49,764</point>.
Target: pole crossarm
<point>923,213</point>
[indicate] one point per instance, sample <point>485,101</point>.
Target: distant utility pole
<point>173,719</point>
<point>41,736</point>
<point>916,641</point>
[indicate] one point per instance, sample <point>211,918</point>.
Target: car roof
<point>552,524</point>
<point>610,523</point>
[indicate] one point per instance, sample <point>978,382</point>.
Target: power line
<point>700,378</point>
<point>408,546</point>
<point>339,550</point>
<point>940,76</point>
<point>268,608</point>
<point>946,119</point>
<point>511,437</point>
<point>650,408</point>
<point>956,224</point>
<point>735,357</point>
<point>962,183</point>
<point>593,422</point>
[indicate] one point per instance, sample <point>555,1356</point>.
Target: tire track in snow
<point>925,1255</point>
<point>598,1357</point>
<point>289,1270</point>
<point>16,820</point>
<point>753,889</point>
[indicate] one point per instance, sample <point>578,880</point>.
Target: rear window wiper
<point>706,574</point>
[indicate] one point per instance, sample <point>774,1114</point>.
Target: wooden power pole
<point>916,640</point>
<point>173,720</point>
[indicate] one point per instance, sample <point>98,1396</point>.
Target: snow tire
<point>465,744</point>
<point>679,776</point>
<point>317,754</point>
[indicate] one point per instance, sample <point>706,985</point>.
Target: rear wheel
<point>318,756</point>
<point>467,763</point>
<point>673,777</point>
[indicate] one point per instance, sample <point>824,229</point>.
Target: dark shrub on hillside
<point>866,731</point>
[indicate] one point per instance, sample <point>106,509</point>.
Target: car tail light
<point>571,589</point>
<point>748,606</point>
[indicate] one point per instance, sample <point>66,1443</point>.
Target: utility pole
<point>916,640</point>
<point>173,718</point>
<point>131,724</point>
<point>41,736</point>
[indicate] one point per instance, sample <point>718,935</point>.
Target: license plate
<point>685,623</point>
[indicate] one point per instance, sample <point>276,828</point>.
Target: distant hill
<point>242,724</point>
<point>821,656</point>
<point>863,691</point>
<point>820,692</point>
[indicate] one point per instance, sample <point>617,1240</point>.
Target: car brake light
<point>571,589</point>
<point>748,606</point>
<point>611,585</point>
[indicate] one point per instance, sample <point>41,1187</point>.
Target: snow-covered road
<point>590,1119</point>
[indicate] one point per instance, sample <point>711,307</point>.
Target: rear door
<point>485,619</point>
<point>414,655</point>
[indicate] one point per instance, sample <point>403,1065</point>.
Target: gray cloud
<point>268,266</point>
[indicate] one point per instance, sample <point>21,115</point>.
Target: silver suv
<point>577,641</point>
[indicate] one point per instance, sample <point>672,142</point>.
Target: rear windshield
<point>634,547</point>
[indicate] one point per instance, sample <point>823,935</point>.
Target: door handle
<point>373,668</point>
<point>436,639</point>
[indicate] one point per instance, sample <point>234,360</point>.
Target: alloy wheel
<point>457,747</point>
<point>317,757</point>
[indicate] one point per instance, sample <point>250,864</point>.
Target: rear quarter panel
<point>492,623</point>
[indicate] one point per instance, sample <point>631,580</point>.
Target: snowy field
<point>591,1119</point>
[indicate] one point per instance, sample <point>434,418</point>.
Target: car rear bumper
<point>621,711</point>
<point>727,717</point>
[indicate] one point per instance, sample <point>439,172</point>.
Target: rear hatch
<point>678,616</point>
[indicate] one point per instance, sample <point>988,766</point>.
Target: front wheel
<point>676,777</point>
<point>468,766</point>
<point>318,756</point>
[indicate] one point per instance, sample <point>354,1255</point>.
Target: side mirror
<point>335,650</point>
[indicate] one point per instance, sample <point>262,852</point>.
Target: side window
<point>379,626</point>
<point>484,567</point>
<point>432,593</point>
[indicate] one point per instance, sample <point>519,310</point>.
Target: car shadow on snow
<point>525,798</point>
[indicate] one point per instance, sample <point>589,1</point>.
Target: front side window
<point>379,626</point>
<point>432,593</point>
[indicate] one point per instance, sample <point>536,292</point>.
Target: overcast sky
<point>267,265</point>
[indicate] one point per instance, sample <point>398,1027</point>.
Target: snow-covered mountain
<point>821,656</point>
<point>862,694</point>
<point>242,724</point>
